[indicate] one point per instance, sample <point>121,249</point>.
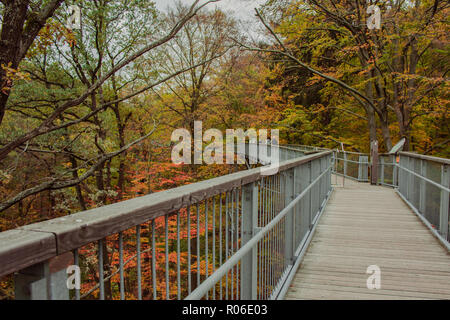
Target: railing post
<point>44,281</point>
<point>394,171</point>
<point>366,168</point>
<point>310,195</point>
<point>359,168</point>
<point>422,187</point>
<point>402,175</point>
<point>443,221</point>
<point>330,162</point>
<point>333,162</point>
<point>408,178</point>
<point>249,270</point>
<point>345,164</point>
<point>382,170</point>
<point>289,179</point>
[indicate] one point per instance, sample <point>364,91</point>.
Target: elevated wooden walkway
<point>365,225</point>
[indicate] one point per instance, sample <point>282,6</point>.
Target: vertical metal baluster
<point>153,261</point>
<point>280,231</point>
<point>270,242</point>
<point>269,250</point>
<point>266,241</point>
<point>237,242</point>
<point>226,241</point>
<point>220,242</point>
<point>275,231</point>
<point>139,269</point>
<point>232,241</point>
<point>235,245</point>
<point>198,245</point>
<point>269,239</point>
<point>310,193</point>
<point>283,228</point>
<point>277,234</point>
<point>122,289</point>
<point>178,257</point>
<point>263,241</point>
<point>100,269</point>
<point>214,241</point>
<point>189,248</point>
<point>206,244</point>
<point>166,236</point>
<point>273,264</point>
<point>280,251</point>
<point>76,261</point>
<point>260,243</point>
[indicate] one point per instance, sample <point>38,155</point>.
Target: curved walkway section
<point>364,226</point>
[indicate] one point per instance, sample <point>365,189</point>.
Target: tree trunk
<point>371,119</point>
<point>77,187</point>
<point>14,15</point>
<point>386,134</point>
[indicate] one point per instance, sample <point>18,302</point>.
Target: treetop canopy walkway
<point>309,231</point>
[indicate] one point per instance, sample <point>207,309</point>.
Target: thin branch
<point>54,184</point>
<point>350,112</point>
<point>47,124</point>
<point>355,93</point>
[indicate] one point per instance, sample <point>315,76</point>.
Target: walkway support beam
<point>289,187</point>
<point>44,281</point>
<point>249,271</point>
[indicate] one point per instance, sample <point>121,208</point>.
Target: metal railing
<point>351,165</point>
<point>388,170</point>
<point>281,213</point>
<point>238,236</point>
<point>306,148</point>
<point>423,182</point>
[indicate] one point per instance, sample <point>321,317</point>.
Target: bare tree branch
<point>56,184</point>
<point>355,93</point>
<point>45,125</point>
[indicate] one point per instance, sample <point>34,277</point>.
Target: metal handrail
<point>412,184</point>
<point>443,188</point>
<point>31,251</point>
<point>267,223</point>
<point>57,236</point>
<point>201,291</point>
<point>425,157</point>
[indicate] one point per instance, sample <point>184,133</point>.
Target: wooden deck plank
<point>370,225</point>
<point>389,280</point>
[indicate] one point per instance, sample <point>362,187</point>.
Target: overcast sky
<point>243,9</point>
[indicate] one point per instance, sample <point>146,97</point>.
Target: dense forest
<point>86,114</point>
